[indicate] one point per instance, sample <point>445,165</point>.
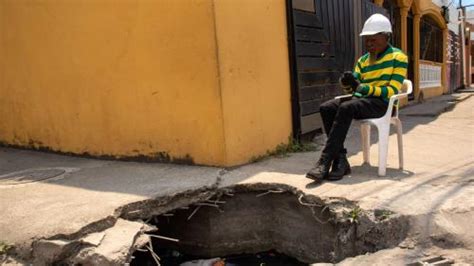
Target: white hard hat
<point>376,23</point>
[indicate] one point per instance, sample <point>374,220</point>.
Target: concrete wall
<point>164,79</point>
<point>255,75</point>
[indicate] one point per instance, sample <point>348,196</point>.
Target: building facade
<point>205,82</point>
<point>423,33</point>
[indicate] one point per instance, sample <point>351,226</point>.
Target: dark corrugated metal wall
<point>323,45</point>
<point>339,21</point>
<point>324,48</point>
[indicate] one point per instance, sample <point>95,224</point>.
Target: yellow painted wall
<point>254,71</point>
<point>107,77</point>
<point>199,78</point>
<point>432,92</point>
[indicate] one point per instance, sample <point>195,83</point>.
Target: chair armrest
<point>342,96</point>
<point>393,98</point>
<point>398,96</point>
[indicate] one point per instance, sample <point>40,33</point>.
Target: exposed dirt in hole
<point>254,219</point>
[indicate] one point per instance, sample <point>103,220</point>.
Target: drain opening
<point>30,176</point>
<point>251,225</point>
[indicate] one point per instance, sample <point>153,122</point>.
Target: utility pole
<point>462,21</point>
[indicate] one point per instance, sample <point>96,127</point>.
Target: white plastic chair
<point>383,126</point>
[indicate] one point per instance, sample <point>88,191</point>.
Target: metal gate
<point>454,59</point>
<point>323,44</point>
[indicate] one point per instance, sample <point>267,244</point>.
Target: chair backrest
<point>407,88</point>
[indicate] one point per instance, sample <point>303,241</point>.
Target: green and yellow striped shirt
<point>384,76</point>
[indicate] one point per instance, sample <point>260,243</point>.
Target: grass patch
<point>4,248</point>
<point>354,215</point>
<point>283,150</point>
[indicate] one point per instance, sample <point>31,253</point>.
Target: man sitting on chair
<point>377,76</point>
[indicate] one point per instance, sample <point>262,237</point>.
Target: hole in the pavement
<point>272,226</point>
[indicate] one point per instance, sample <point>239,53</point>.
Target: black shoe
<point>340,167</point>
<point>321,170</point>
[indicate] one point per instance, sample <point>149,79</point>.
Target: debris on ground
<point>436,260</point>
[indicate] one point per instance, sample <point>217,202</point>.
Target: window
<point>431,41</point>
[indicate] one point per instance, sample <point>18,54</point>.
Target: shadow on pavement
<point>150,179</point>
<point>360,174</point>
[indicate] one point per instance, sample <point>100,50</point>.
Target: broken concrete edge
<point>128,236</point>
<point>24,251</point>
<point>79,246</point>
<point>116,245</point>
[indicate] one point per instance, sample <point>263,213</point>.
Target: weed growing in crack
<point>4,248</point>
<point>354,215</point>
<point>283,150</point>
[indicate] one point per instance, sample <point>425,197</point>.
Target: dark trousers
<point>337,116</point>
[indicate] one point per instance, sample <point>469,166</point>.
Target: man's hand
<point>348,82</point>
<point>361,90</point>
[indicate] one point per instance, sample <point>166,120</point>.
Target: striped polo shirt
<point>382,77</point>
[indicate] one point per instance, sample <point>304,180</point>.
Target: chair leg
<point>398,124</point>
<point>365,135</point>
<point>383,148</point>
<point>400,143</point>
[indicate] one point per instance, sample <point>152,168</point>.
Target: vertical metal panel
<point>357,24</point>
<point>295,110</point>
<point>368,9</point>
<point>305,5</point>
<point>393,13</point>
<point>323,44</point>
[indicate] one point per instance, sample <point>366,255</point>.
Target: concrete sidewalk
<point>436,185</point>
